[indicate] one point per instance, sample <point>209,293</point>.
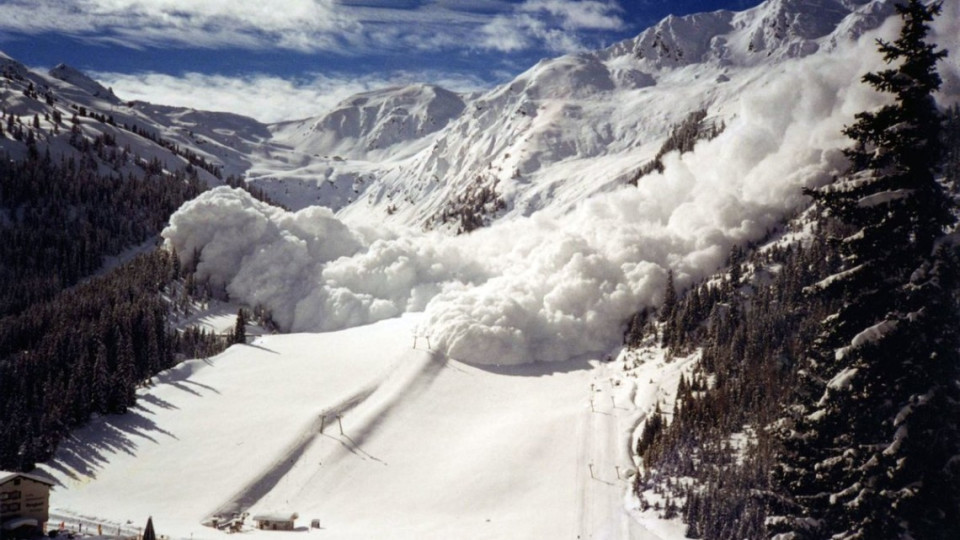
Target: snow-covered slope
<point>330,160</point>
<point>372,124</point>
<point>773,31</point>
<point>372,434</point>
<point>215,144</point>
<point>80,81</point>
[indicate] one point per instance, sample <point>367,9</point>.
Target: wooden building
<point>24,501</point>
<point>275,521</point>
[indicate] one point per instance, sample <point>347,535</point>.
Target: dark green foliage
<point>240,328</point>
<point>637,327</point>
<point>59,220</point>
<point>473,208</point>
<point>870,440</point>
<point>148,532</point>
<point>742,375</point>
<point>84,352</point>
<point>683,137</point>
<point>669,307</point>
<point>257,193</point>
<point>836,453</point>
<point>951,133</point>
<point>68,348</point>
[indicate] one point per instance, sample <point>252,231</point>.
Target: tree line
<point>58,220</point>
<point>72,345</point>
<point>86,351</point>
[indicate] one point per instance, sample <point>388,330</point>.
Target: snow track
<point>605,459</point>
<point>447,450</point>
<point>262,484</point>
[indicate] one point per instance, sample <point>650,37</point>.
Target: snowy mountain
<point>370,125</point>
<point>564,130</point>
<point>82,82</point>
<point>564,142</point>
<point>567,128</point>
<point>773,31</point>
<point>550,159</point>
<point>217,144</point>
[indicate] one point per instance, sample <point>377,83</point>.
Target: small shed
<point>275,521</point>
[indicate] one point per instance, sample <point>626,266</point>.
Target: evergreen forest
<point>77,338</point>
<point>831,349</point>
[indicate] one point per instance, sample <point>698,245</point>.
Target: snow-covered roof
<point>276,516</point>
<point>8,475</point>
<point>20,522</point>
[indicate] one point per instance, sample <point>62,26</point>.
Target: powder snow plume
<point>549,288</point>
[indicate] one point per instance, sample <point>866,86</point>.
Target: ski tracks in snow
<point>602,462</point>
<point>412,373</point>
<point>614,408</point>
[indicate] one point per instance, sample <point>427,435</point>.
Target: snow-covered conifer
<point>873,426</point>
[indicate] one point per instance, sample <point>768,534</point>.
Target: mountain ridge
<point>411,154</point>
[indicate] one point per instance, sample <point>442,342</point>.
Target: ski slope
<point>412,445</point>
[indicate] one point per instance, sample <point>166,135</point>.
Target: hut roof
<point>276,516</point>
<point>8,475</point>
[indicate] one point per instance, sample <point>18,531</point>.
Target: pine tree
<point>669,299</point>
<point>240,330</point>
<point>870,439</point>
<point>148,532</point>
<point>667,312</point>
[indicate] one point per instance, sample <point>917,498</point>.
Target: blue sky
<point>234,54</point>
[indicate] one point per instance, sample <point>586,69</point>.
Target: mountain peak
<point>773,30</point>
<point>81,80</point>
<point>376,120</point>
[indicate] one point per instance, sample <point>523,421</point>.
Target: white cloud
<point>311,25</point>
<point>577,15</point>
<point>556,25</point>
<point>186,23</point>
<point>267,98</point>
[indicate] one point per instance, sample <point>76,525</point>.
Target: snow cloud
<point>547,288</point>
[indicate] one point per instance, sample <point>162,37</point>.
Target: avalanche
<point>555,285</point>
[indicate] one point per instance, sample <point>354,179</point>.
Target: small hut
<point>24,502</point>
<point>275,521</point>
